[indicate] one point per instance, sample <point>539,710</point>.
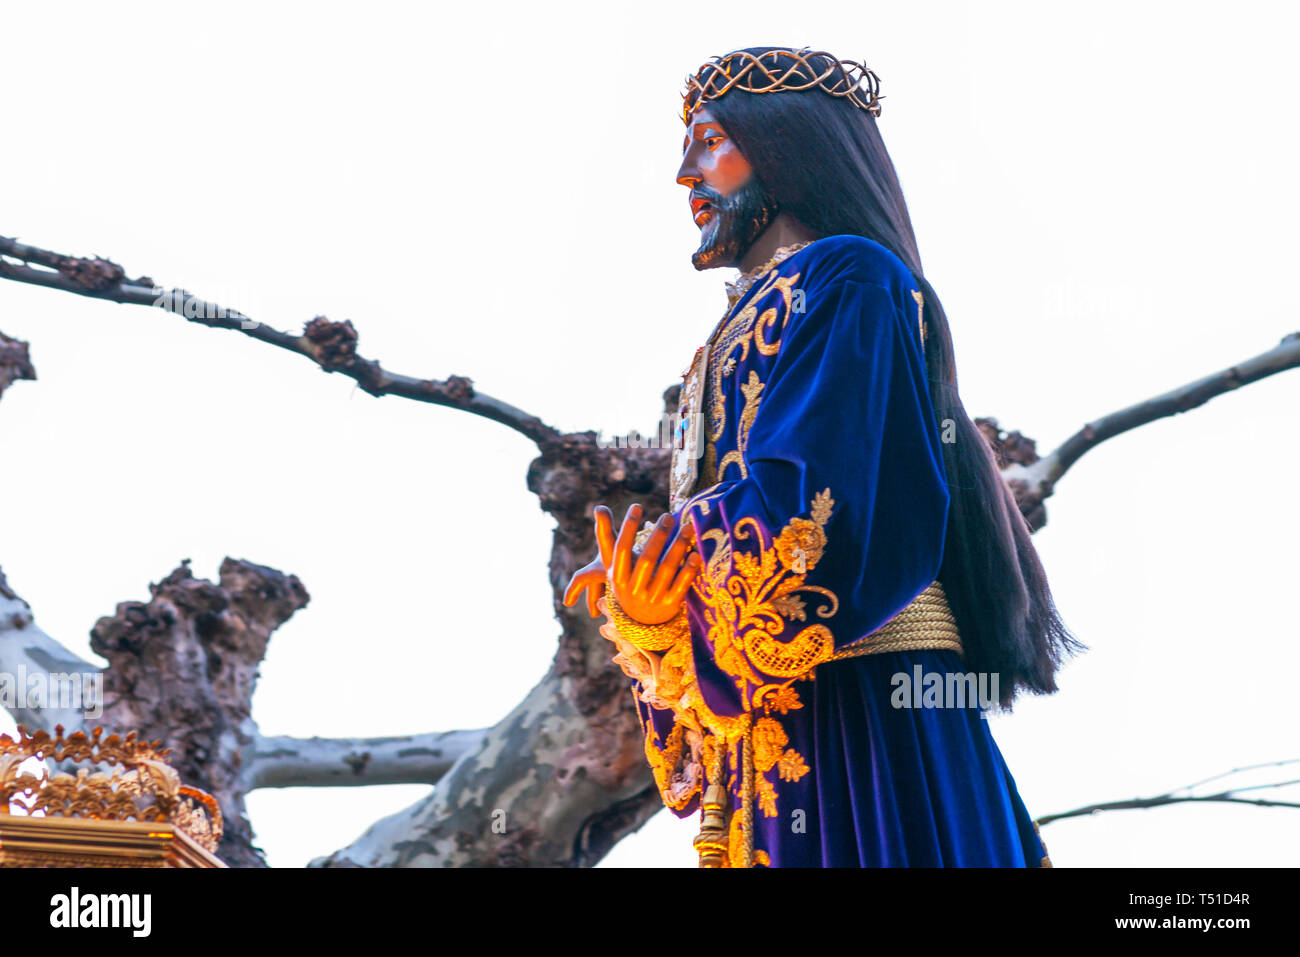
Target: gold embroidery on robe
<point>677,776</point>
<point>747,597</point>
<point>668,683</point>
<point>750,390</point>
<point>703,391</point>
<point>737,333</point>
<point>768,319</point>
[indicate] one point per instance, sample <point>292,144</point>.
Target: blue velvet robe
<point>820,509</point>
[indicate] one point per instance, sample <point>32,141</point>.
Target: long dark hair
<point>823,160</point>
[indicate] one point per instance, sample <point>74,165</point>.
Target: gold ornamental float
<point>124,807</point>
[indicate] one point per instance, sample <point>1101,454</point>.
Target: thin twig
<point>1240,770</point>
<point>1041,477</point>
<point>331,345</point>
<point>1176,797</point>
<point>1163,800</point>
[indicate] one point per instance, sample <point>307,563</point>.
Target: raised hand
<point>650,587</point>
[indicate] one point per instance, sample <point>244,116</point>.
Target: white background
<point>1105,199</point>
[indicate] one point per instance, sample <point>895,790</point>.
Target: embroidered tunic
<point>820,506</point>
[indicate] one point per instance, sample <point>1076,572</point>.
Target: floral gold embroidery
<point>793,658</point>
<point>745,606</point>
<point>791,766</point>
<point>750,390</point>
<point>791,606</point>
<point>784,700</point>
<point>748,591</point>
<point>766,795</point>
<point>800,545</point>
<point>769,743</point>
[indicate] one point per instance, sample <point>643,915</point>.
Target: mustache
<point>752,198</point>
<point>707,193</point>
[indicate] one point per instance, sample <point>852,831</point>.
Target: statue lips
<point>702,209</point>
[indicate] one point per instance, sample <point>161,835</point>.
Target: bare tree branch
<point>1162,801</point>
<point>282,762</point>
<point>1227,774</point>
<point>1038,479</point>
<point>331,345</point>
<point>547,786</point>
<point>1229,796</point>
<point>27,653</point>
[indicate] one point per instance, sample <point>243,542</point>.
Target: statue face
<point>728,203</point>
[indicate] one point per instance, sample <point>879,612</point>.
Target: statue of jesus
<point>843,586</point>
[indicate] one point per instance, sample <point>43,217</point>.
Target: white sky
<point>1105,199</point>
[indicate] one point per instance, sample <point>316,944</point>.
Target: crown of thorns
<point>779,70</point>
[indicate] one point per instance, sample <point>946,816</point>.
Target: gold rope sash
<point>926,623</point>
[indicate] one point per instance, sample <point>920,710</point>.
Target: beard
<point>737,221</point>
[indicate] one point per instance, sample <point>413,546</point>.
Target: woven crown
<point>780,70</point>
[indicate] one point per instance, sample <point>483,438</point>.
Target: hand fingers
<point>671,563</point>
<point>605,534</point>
<point>623,547</point>
<point>590,578</point>
<point>654,545</point>
<point>677,594</point>
<point>571,592</point>
<point>582,578</point>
